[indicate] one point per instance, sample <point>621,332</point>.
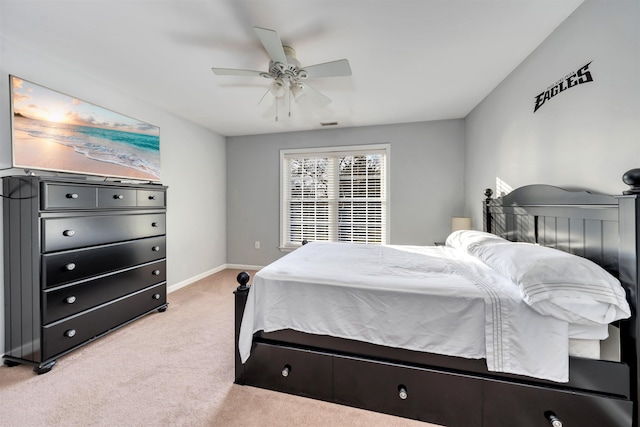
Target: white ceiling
<point>412,60</point>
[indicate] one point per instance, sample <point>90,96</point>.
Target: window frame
<point>333,151</point>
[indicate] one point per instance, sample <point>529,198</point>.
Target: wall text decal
<point>583,75</point>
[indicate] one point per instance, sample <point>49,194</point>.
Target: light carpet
<point>166,369</point>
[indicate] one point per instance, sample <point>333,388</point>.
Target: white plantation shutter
<point>309,185</point>
<point>361,213</point>
<point>337,194</point>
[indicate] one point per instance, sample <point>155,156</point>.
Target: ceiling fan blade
<point>304,90</point>
<point>235,72</point>
<point>272,44</point>
<point>337,68</point>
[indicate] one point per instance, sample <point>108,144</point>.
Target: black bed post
<point>488,226</point>
<point>241,294</point>
<point>629,218</point>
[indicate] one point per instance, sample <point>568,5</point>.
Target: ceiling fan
<point>286,72</point>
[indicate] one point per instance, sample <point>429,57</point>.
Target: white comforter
<point>432,299</point>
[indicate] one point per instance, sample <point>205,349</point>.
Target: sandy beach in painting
<point>56,132</point>
<point>43,153</point>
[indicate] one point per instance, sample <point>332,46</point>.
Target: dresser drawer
<point>68,300</point>
<point>289,370</point>
<point>409,392</point>
<point>529,406</point>
<point>78,232</point>
<point>151,198</point>
<point>66,334</point>
<point>69,266</point>
<point>117,197</point>
<point>60,196</point>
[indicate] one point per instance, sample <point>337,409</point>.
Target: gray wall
<point>193,159</point>
<point>425,172</point>
<point>585,137</point>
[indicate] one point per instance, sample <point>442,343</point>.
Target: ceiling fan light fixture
<point>289,77</point>
<point>298,91</point>
<point>277,88</point>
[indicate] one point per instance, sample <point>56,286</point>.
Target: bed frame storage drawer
<point>508,404</point>
<point>69,266</point>
<point>76,330</point>
<point>409,392</point>
<point>290,370</point>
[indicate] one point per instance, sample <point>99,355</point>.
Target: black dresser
<point>81,258</point>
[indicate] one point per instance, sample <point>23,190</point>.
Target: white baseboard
<point>194,279</point>
<point>197,277</point>
<point>244,267</point>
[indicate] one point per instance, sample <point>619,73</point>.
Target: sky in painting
<point>37,102</point>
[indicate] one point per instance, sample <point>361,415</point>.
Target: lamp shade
<point>277,88</point>
<point>298,91</point>
<point>460,223</point>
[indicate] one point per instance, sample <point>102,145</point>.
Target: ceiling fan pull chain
<point>265,94</point>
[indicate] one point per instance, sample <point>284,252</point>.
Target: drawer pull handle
<point>402,392</point>
<point>70,333</point>
<point>70,300</point>
<point>156,272</point>
<point>154,224</point>
<point>156,296</point>
<point>553,419</point>
<point>118,196</point>
<point>286,371</point>
<point>72,196</point>
<point>155,248</point>
<point>152,197</point>
<point>68,233</point>
<point>69,267</point>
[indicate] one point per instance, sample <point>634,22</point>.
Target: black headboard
<point>579,222</point>
<point>602,228</point>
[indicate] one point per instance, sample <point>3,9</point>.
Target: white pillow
<point>465,239</point>
<point>557,283</point>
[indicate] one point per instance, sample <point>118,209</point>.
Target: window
<point>336,194</point>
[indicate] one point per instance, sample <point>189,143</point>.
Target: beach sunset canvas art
<point>56,132</point>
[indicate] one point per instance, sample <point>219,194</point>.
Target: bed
<point>486,382</point>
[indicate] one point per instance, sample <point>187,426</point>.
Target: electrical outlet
<point>257,244</point>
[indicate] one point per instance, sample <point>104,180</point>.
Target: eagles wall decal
<point>575,78</point>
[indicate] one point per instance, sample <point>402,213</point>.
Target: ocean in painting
<point>133,150</point>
